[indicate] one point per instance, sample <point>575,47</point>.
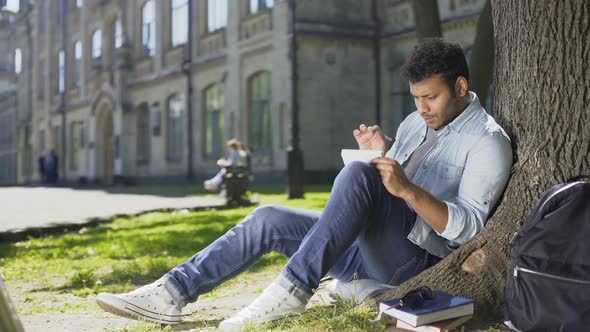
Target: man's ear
<point>461,86</point>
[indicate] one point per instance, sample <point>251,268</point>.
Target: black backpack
<point>548,281</point>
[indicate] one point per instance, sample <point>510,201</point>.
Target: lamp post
<point>294,153</point>
<point>187,69</point>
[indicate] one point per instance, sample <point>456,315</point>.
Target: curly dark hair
<point>436,56</point>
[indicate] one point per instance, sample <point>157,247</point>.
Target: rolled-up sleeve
<point>484,179</point>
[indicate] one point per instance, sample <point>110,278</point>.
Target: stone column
<point>234,99</point>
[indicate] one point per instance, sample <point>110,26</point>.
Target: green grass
<point>131,251</point>
<point>119,256</point>
<point>344,316</point>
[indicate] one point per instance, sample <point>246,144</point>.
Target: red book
<point>445,325</point>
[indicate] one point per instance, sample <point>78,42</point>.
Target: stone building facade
<point>8,153</point>
<point>8,98</point>
<point>145,90</point>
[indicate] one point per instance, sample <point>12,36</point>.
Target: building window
<point>179,22</point>
<point>175,130</point>
<point>75,144</point>
<point>77,70</point>
<point>79,3</point>
<point>216,14</point>
<point>148,30</point>
<point>258,5</point>
<point>143,134</point>
<point>18,60</point>
<point>214,121</point>
<point>117,34</point>
<point>97,44</point>
<point>260,113</point>
<point>62,71</point>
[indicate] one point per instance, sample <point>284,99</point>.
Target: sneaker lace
<point>148,291</point>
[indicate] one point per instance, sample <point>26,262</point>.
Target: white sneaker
<point>151,302</point>
<point>274,303</point>
<point>356,290</point>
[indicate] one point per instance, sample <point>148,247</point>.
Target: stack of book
<point>445,313</point>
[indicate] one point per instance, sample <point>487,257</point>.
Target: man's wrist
<point>409,194</point>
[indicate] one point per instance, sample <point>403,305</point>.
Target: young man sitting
<point>385,221</point>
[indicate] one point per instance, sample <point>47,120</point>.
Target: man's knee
<point>358,170</point>
<point>264,215</point>
<point>266,210</point>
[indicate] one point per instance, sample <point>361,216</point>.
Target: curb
<point>17,235</point>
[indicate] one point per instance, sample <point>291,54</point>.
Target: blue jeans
<point>362,231</point>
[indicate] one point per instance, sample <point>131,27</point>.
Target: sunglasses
<point>416,298</point>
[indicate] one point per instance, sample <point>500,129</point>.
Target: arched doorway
<point>105,147</point>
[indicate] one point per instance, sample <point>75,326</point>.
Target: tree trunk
<point>426,18</point>
<point>482,55</point>
<point>542,100</point>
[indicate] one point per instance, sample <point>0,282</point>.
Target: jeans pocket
<point>406,271</point>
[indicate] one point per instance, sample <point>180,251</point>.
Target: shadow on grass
<point>309,189</point>
<point>142,254</point>
<point>7,250</point>
<point>179,237</point>
<point>162,191</point>
<point>188,190</point>
<point>196,325</point>
<point>137,250</point>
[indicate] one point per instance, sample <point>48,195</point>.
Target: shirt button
<point>485,203</point>
<point>424,167</point>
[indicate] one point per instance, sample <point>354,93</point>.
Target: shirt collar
<point>467,114</point>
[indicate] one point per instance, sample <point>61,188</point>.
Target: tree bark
<point>542,100</point>
<point>426,18</point>
<point>482,55</point>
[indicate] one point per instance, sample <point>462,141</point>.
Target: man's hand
<point>370,138</point>
<point>393,177</point>
<point>432,210</point>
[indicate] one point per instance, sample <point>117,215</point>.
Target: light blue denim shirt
<point>467,169</point>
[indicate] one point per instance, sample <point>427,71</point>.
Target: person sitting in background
<point>249,155</point>
<point>237,157</point>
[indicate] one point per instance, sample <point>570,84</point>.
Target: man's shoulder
<point>485,134</point>
<point>483,124</point>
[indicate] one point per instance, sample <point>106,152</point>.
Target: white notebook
<point>350,155</point>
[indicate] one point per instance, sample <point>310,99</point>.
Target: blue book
<point>445,306</point>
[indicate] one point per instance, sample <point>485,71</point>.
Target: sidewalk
<point>32,210</point>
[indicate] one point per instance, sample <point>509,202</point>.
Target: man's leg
<point>360,208</point>
<point>268,228</point>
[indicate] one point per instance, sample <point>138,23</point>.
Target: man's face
<point>434,101</point>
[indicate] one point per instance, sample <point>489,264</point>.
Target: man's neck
<point>462,104</point>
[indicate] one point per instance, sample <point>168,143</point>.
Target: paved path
<point>24,208</point>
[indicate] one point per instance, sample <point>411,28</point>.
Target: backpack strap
<point>583,178</point>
